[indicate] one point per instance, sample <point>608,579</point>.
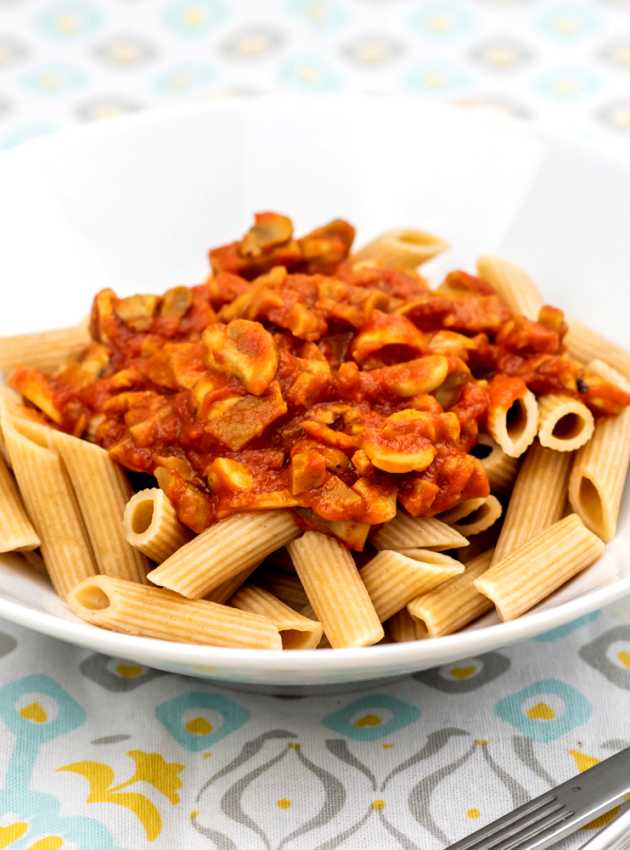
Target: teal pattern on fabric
<point>372,717</point>
<point>545,710</point>
<point>568,628</point>
<point>198,720</point>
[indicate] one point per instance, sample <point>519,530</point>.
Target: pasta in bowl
<point>326,451</point>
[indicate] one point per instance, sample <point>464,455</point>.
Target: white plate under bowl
<point>135,204</point>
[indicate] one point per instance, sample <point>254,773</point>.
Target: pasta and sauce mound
<point>325,400</point>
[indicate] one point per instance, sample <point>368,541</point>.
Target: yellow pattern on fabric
<point>541,711</point>
<point>11,833</point>
<point>624,658</point>
<point>462,672</point>
<point>51,842</point>
<point>129,671</point>
<point>473,813</point>
<point>199,726</point>
<point>35,712</point>
<point>378,805</point>
<point>151,768</point>
<point>368,720</point>
<point>283,803</point>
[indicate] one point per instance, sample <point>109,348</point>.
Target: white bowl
<point>135,204</point>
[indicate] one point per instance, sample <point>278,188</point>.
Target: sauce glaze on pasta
<point>294,377</point>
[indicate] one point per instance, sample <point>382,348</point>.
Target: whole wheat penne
<point>500,468</point>
<point>285,586</point>
<point>151,525</point>
<point>334,588</point>
<point>223,550</point>
<point>468,506</point>
<point>586,345</point>
<point>404,248</point>
<point>599,473</point>
<point>537,500</point>
<point>533,571</point>
<point>407,532</point>
<point>514,428</point>
<point>481,518</point>
<point>228,588</point>
<point>564,424</point>
<point>45,350</point>
<point>393,579</point>
<point>137,609</point>
<point>513,284</point>
<point>402,627</point>
<point>53,509</point>
<point>454,604</point>
<point>102,490</point>
<point>16,530</point>
<point>296,630</point>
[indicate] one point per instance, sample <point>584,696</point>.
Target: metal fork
<point>547,819</point>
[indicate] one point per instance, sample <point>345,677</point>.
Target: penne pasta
<point>407,532</point>
<point>228,588</point>
<point>136,609</point>
<point>514,428</point>
<point>53,509</point>
<point>586,345</point>
<point>286,587</point>
<point>35,561</point>
<point>599,473</point>
<point>500,468</point>
<point>513,284</point>
<point>533,571</point>
<point>564,423</point>
<point>45,350</point>
<point>393,579</point>
<point>102,490</point>
<point>151,525</point>
<point>296,630</point>
<point>226,548</point>
<point>402,627</point>
<point>538,498</point>
<point>16,530</point>
<point>403,248</point>
<point>334,588</point>
<point>480,518</point>
<point>454,604</point>
<point>468,506</point>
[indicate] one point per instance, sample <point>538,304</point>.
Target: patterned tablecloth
<point>99,753</point>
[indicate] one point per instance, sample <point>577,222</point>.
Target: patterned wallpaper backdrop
<point>101,754</point>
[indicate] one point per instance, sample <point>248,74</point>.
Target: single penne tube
<point>454,604</point>
<point>468,506</point>
<point>137,609</point>
<point>334,588</point>
<point>599,472</point>
<point>564,423</point>
<point>533,571</point>
<point>151,525</point>
<point>513,285</point>
<point>228,547</point>
<point>514,427</point>
<point>285,586</point>
<point>538,498</point>
<point>228,588</point>
<point>393,579</point>
<point>53,509</point>
<point>586,345</point>
<point>481,518</point>
<point>45,350</point>
<point>102,490</point>
<point>17,533</point>
<point>407,532</point>
<point>500,468</point>
<point>296,630</point>
<point>404,248</point>
<point>402,627</point>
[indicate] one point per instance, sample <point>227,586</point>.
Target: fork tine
<point>473,842</point>
<point>535,830</point>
